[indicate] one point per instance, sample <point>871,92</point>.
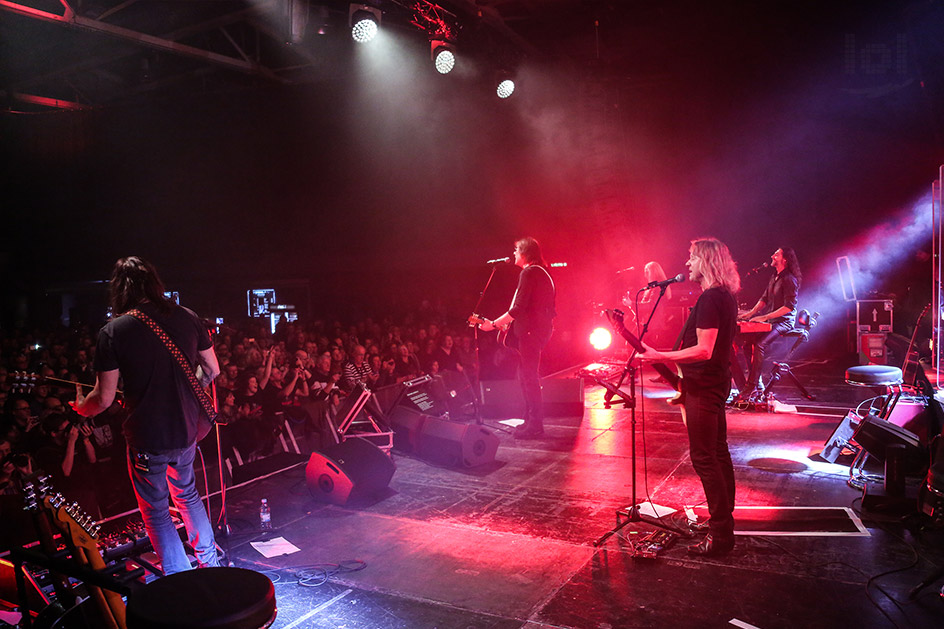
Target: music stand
<point>632,513</point>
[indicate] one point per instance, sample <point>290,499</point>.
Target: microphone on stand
<point>629,268</point>
<point>757,269</point>
<point>671,280</point>
<point>499,260</point>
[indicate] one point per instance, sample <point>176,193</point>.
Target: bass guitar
<point>506,334</point>
<point>671,376</point>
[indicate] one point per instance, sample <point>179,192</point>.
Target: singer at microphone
<point>777,307</point>
<point>498,261</point>
<point>756,269</point>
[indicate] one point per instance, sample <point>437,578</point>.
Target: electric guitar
<point>671,376</point>
<point>506,335</point>
<point>909,367</point>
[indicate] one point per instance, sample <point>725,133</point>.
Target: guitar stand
<point>114,578</point>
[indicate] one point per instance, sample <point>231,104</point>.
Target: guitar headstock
<point>79,527</point>
<point>24,381</point>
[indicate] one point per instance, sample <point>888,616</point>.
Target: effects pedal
<point>654,543</point>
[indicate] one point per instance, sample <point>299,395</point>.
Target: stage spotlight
<point>506,87</point>
<point>364,21</point>
<point>443,55</point>
<point>601,338</point>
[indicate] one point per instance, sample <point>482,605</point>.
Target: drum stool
<point>873,376</point>
<point>207,598</point>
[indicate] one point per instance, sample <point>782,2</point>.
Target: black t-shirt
<point>782,290</point>
<point>715,308</point>
<point>163,411</point>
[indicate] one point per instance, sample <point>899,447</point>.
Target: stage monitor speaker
<point>350,470</point>
<point>875,435</point>
<point>406,424</point>
<point>841,437</point>
<point>912,413</point>
<point>456,444</point>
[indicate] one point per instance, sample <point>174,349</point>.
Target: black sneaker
<point>711,547</point>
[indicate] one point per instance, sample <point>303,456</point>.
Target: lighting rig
<point>441,26</point>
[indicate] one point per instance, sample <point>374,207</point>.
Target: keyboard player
<point>777,307</point>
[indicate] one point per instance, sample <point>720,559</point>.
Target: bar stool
<point>873,376</point>
<point>217,598</point>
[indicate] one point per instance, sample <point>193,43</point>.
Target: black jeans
<point>708,448</point>
<point>530,345</point>
<point>757,348</point>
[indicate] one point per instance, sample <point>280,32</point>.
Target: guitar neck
<point>670,375</point>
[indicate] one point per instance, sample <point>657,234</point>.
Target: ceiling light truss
<point>432,18</point>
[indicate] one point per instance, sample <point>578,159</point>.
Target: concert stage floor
<point>510,544</point>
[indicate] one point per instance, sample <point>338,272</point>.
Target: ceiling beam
<point>71,20</point>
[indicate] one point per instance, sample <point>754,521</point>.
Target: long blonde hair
<point>653,272</point>
<point>717,265</point>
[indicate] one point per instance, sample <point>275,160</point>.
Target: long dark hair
<point>793,266</point>
<point>530,250</point>
<point>134,280</point>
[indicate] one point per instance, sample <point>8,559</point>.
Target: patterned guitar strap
<point>206,404</point>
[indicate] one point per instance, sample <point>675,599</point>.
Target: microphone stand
<point>475,342</point>
<point>632,513</point>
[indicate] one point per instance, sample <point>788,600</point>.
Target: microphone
<point>671,280</point>
<point>629,268</point>
<point>757,269</point>
<point>499,260</point>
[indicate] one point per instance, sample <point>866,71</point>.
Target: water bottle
<point>265,517</point>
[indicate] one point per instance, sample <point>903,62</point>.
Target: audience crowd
<point>300,374</point>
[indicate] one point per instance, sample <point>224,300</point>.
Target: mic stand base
<point>634,514</point>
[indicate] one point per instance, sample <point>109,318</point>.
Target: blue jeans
<point>170,475</point>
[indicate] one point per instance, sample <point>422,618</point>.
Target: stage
<point>511,543</point>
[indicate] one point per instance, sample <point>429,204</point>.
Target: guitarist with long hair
<point>164,417</point>
<point>529,321</point>
<point>704,358</point>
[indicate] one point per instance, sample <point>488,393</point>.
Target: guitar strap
<point>203,398</point>
<point>550,279</point>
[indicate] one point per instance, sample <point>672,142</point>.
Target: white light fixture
<point>506,87</point>
<point>443,55</point>
<point>364,21</point>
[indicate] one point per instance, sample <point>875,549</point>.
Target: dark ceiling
<point>88,53</point>
<point>91,53</point>
<point>205,130</point>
